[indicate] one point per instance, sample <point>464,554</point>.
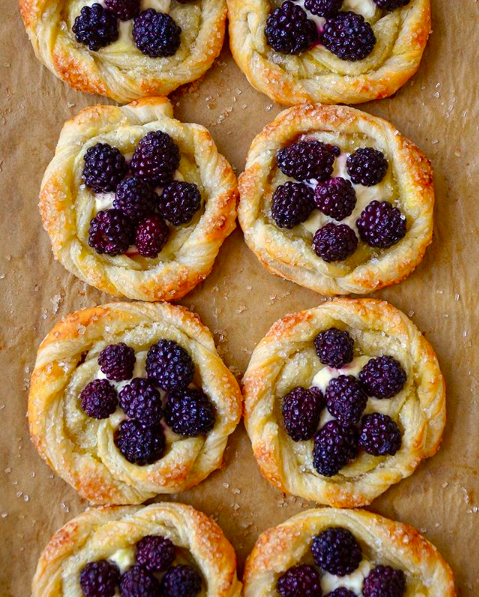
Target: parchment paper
<point>438,110</point>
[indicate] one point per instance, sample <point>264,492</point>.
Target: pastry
<point>134,551</point>
<point>137,203</point>
<point>343,401</point>
<point>129,400</point>
<point>336,200</point>
<point>328,51</point>
<point>126,49</point>
<point>345,553</point>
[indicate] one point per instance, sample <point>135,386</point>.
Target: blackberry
<point>335,242</point>
<point>335,198</point>
<point>334,348</point>
<point>141,401</point>
<point>288,29</point>
<point>292,204</point>
<point>155,553</point>
<point>345,399</point>
<point>189,412</point>
<point>384,581</point>
<point>301,412</point>
<point>117,361</point>
<point>391,4</point>
<point>156,34</point>
<point>334,447</point>
<point>123,9</point>
<point>104,168</point>
<point>381,225</point>
<point>99,579</point>
<point>140,444</point>
<point>135,198</point>
<point>349,36</point>
<point>111,232</point>
<point>323,8</point>
<point>337,551</point>
<point>181,581</point>
<point>151,236</point>
<point>169,365</point>
<point>367,166</point>
<point>137,582</point>
<point>341,592</point>
<point>300,581</point>
<point>179,202</point>
<point>98,399</point>
<point>95,27</point>
<point>306,160</point>
<point>382,377</point>
<point>379,436</point>
<point>156,158</point>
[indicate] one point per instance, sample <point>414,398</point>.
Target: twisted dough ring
<point>383,541</point>
<point>82,450</point>
<point>286,358</point>
<point>120,70</point>
<point>100,532</point>
<point>289,253</point>
<point>317,75</point>
<point>67,206</point>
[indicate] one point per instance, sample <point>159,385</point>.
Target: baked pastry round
<point>111,543</point>
<point>328,51</point>
<point>129,400</point>
<point>342,401</point>
<point>118,176</point>
<point>361,552</point>
<point>126,49</point>
<point>336,200</point>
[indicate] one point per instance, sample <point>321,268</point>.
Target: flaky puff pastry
<point>383,542</point>
<point>317,75</point>
<point>289,253</point>
<point>286,358</point>
<point>67,206</point>
<point>81,449</point>
<point>120,70</point>
<point>100,533</point>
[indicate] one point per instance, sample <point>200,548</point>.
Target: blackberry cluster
<point>156,158</point>
<point>135,199</point>
<point>179,202</point>
<point>335,197</point>
<point>380,435</point>
<point>181,581</point>
<point>337,551</point>
<point>155,553</point>
<point>381,225</point>
<point>334,447</point>
<point>307,160</point>
<point>341,592</point>
<point>382,377</point>
<point>151,236</point>
<point>384,581</point>
<point>156,34</point>
<point>301,412</point>
<point>95,27</point>
<point>300,581</point>
<point>189,412</point>
<point>111,232</point>
<point>98,399</point>
<point>367,166</point>
<point>169,365</point>
<point>349,36</point>
<point>117,361</point>
<point>391,4</point>
<point>334,347</point>
<point>140,400</point>
<point>345,399</point>
<point>105,167</point>
<point>138,582</point>
<point>99,579</point>
<point>123,9</point>
<point>323,8</point>
<point>335,242</point>
<point>140,444</point>
<point>288,29</point>
<point>292,204</point>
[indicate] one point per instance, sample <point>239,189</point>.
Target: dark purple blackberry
<point>335,242</point>
<point>169,365</point>
<point>335,197</point>
<point>138,582</point>
<point>179,202</point>
<point>292,204</point>
<point>391,4</point>
<point>141,401</point>
<point>181,581</point>
<point>95,27</point>
<point>367,166</point>
<point>155,553</point>
<point>156,34</point>
<point>135,198</point>
<point>381,225</point>
<point>341,592</point>
<point>288,29</point>
<point>99,579</point>
<point>98,399</point>
<point>345,399</point>
<point>306,160</point>
<point>140,444</point>
<point>301,412</point>
<point>379,436</point>
<point>104,168</point>
<point>384,581</point>
<point>111,232</point>
<point>151,236</point>
<point>156,158</point>
<point>123,9</point>
<point>334,447</point>
<point>117,361</point>
<point>382,377</point>
<point>300,581</point>
<point>349,36</point>
<point>189,412</point>
<point>334,348</point>
<point>337,551</point>
<point>323,8</point>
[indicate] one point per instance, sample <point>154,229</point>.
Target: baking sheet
<point>438,110</point>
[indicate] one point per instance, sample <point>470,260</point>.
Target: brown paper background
<point>438,110</point>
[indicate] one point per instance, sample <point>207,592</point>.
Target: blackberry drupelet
<point>99,579</point>
<point>141,401</point>
<point>169,365</point>
<point>189,412</point>
<point>288,29</point>
<point>181,581</point>
<point>156,158</point>
<point>140,444</point>
<point>135,198</point>
<point>335,197</point>
<point>301,411</point>
<point>307,160</point>
<point>380,435</point>
<point>117,361</point>
<point>179,202</point>
<point>155,553</point>
<point>95,27</point>
<point>323,8</point>
<point>335,242</point>
<point>367,166</point>
<point>334,447</point>
<point>382,377</point>
<point>349,36</point>
<point>123,9</point>
<point>156,34</point>
<point>384,581</point>
<point>151,236</point>
<point>111,232</point>
<point>345,399</point>
<point>292,204</point>
<point>300,581</point>
<point>104,168</point>
<point>391,4</point>
<point>138,582</point>
<point>334,348</point>
<point>99,399</point>
<point>337,551</point>
<point>341,592</point>
<point>381,225</point>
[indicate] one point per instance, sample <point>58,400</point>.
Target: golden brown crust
<point>289,253</point>
<point>67,206</point>
<point>319,76</point>
<point>82,450</point>
<point>383,541</point>
<point>285,358</point>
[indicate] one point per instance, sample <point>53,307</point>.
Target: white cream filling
<point>353,582</point>
<point>367,8</point>
<point>123,558</point>
<point>323,377</point>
